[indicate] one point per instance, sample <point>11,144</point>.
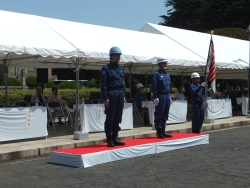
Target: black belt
<point>114,89</point>
<point>198,102</point>
<point>163,93</point>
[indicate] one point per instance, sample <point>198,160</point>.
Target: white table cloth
<point>177,111</point>
<point>23,123</point>
<point>219,108</point>
<point>93,117</point>
<point>244,105</point>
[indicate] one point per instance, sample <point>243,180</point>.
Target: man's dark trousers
<point>114,112</point>
<point>162,111</point>
<point>198,117</point>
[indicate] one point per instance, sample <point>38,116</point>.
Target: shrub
<point>11,82</point>
<point>68,85</point>
<point>92,83</point>
<point>25,95</point>
<point>31,81</point>
<point>49,85</point>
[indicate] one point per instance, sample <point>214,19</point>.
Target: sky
<point>125,14</point>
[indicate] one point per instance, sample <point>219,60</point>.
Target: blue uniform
<point>139,97</point>
<point>113,88</point>
<point>197,95</point>
<point>161,89</point>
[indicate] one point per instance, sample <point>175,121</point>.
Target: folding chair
<point>55,111</point>
<point>12,106</point>
<point>34,104</point>
<point>88,102</point>
<point>94,101</point>
<point>71,112</point>
<point>138,115</point>
<point>21,103</point>
<point>100,101</point>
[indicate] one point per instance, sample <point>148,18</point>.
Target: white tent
<point>230,53</point>
<point>34,41</point>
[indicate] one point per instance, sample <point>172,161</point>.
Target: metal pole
<point>248,30</point>
<point>130,81</point>
<point>6,82</point>
<point>77,126</point>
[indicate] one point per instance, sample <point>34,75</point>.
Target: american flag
<point>211,69</point>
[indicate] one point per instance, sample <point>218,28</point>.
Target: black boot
<point>159,133</point>
<point>110,142</point>
<point>117,142</point>
<point>166,135</point>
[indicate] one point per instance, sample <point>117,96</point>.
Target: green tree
<point>202,16</point>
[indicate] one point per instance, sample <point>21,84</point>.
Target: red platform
<point>98,154</point>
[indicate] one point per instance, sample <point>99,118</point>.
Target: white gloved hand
<point>203,84</point>
<point>156,102</point>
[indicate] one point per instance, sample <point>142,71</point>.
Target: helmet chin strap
<point>164,68</point>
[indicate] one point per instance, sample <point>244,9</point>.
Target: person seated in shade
<point>38,97</point>
<point>232,94</point>
<point>179,95</point>
<point>217,94</point>
<point>54,97</point>
<point>139,97</point>
<point>242,92</point>
<point>172,94</point>
<point>150,93</point>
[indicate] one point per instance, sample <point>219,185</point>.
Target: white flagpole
<point>206,120</point>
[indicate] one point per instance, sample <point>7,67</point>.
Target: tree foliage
<point>202,16</point>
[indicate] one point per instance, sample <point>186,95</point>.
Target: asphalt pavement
<point>224,162</point>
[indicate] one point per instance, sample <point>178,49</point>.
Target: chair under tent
<point>55,110</point>
<point>21,103</point>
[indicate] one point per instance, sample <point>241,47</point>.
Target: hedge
<point>25,95</point>
<point>66,94</point>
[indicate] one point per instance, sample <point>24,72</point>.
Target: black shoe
<point>166,135</point>
<point>117,142</point>
<point>110,141</point>
<point>198,132</point>
<point>60,123</point>
<point>159,133</point>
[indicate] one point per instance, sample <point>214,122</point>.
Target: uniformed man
<point>113,93</point>
<point>139,97</point>
<point>161,89</point>
<point>197,94</point>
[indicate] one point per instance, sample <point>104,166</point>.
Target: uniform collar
<point>161,71</point>
<point>113,64</point>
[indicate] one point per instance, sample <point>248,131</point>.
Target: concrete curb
<point>34,151</point>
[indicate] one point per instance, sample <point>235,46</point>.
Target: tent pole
<point>6,81</point>
<point>130,78</point>
<point>79,134</point>
<point>77,127</point>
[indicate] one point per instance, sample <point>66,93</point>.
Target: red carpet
<point>129,143</point>
<point>87,156</point>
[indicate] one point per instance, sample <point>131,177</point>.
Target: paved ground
<point>222,163</point>
<point>62,139</point>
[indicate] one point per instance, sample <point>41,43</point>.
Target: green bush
<point>25,95</point>
<point>92,83</point>
<point>31,81</point>
<point>49,85</point>
<point>11,82</point>
<point>68,85</point>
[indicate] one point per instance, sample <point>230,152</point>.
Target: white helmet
<point>161,60</point>
<point>195,75</point>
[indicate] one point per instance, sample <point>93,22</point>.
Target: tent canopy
<point>230,53</point>
<point>35,41</point>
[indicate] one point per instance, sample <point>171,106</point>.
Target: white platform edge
<point>92,159</point>
<point>181,143</point>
